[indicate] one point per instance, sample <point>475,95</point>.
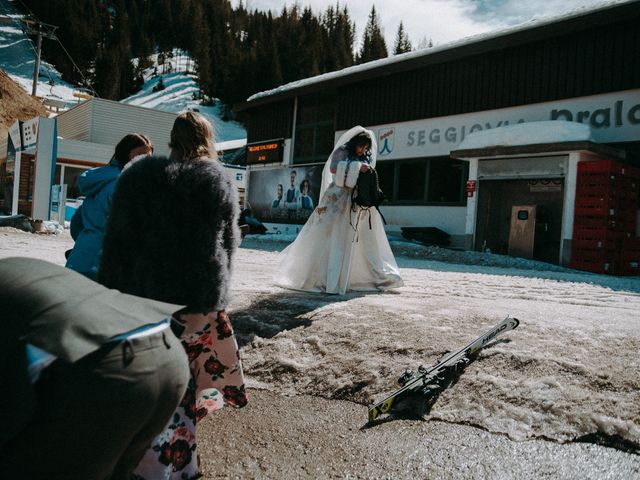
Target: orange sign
<point>265,152</point>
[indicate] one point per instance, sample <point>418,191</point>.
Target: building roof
<point>547,27</point>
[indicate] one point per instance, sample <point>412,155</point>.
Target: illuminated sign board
<point>265,152</point>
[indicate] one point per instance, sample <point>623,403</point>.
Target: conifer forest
<point>233,52</point>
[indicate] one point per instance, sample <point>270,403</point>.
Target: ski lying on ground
<point>426,378</point>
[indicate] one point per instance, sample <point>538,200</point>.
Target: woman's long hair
<point>191,137</point>
<point>128,143</point>
<point>358,141</point>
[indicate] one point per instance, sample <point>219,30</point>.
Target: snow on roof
<point>534,23</point>
<point>529,133</point>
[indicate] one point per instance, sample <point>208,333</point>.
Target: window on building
<point>386,178</point>
<point>423,181</point>
<point>446,181</point>
<point>412,176</point>
<point>237,156</point>
<point>315,129</point>
<point>71,177</point>
<point>30,180</point>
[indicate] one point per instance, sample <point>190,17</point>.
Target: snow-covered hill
<point>178,95</point>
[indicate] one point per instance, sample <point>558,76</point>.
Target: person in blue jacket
<point>97,185</point>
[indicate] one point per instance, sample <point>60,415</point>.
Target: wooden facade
<point>270,122</point>
<point>598,60</point>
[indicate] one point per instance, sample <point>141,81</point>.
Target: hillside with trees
<point>236,52</point>
<point>16,104</point>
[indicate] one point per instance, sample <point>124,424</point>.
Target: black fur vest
<point>172,232</point>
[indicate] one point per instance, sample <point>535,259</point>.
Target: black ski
<point>421,380</point>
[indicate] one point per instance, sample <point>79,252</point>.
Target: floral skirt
<point>216,380</point>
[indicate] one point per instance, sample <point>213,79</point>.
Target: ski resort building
<point>43,157</point>
<point>433,112</point>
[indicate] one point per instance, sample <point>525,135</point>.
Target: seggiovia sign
<point>270,151</point>
<point>612,117</point>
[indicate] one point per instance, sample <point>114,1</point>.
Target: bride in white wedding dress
<point>341,247</point>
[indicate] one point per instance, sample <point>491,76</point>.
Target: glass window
<point>446,178</point>
<point>71,175</point>
<point>325,136</point>
<point>237,156</point>
<point>30,181</point>
<point>315,129</point>
<point>304,143</point>
<point>386,178</point>
<point>423,181</point>
<point>56,176</point>
<point>411,180</point>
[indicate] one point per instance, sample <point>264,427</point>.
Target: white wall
<point>106,122</point>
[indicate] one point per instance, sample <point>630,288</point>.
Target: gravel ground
<point>308,437</point>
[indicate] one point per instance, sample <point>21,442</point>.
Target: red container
<point>596,239</point>
<point>595,210</point>
<point>603,222</point>
<point>595,266</point>
<point>606,166</point>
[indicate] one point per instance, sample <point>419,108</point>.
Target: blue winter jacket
<point>97,185</point>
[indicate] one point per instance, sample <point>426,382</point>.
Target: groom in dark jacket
<point>89,375</point>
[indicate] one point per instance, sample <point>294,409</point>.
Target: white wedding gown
<point>337,251</point>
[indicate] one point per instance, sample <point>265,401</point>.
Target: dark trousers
<point>95,418</point>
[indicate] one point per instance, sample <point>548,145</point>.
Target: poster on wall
<point>284,195</point>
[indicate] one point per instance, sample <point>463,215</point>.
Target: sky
<point>442,21</point>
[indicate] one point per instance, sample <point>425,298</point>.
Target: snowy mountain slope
<point>179,96</point>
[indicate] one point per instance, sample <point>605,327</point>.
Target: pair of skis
<point>425,378</point>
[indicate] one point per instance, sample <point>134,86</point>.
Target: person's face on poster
<point>304,187</point>
<point>293,179</point>
<point>279,191</point>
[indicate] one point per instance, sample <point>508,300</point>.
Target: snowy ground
<point>570,372</point>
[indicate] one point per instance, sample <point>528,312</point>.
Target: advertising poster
<point>284,195</point>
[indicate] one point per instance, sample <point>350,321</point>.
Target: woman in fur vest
<point>171,236</point>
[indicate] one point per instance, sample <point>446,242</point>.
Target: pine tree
<point>199,43</point>
<point>339,38</point>
<point>76,21</point>
<point>373,44</point>
<point>312,53</point>
<point>402,45</point>
<point>425,43</point>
